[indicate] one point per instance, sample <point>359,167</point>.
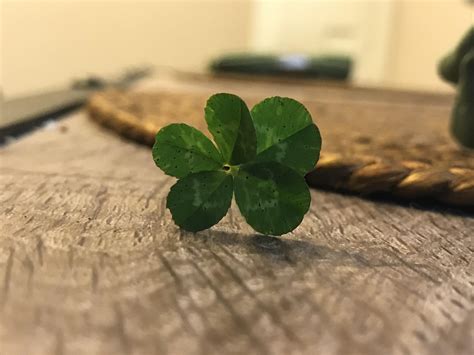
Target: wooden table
<point>91,263</point>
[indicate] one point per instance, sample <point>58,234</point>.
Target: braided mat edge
<point>363,174</point>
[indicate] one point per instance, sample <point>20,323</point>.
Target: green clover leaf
<point>286,134</point>
<point>261,156</point>
<point>180,149</point>
<point>272,198</point>
<point>200,200</point>
<point>230,123</point>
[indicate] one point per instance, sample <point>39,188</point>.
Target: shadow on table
<point>283,251</point>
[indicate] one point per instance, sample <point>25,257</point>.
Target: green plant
<point>449,67</point>
<point>261,157</point>
<point>458,68</point>
<point>462,122</point>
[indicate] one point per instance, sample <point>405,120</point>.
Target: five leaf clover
<point>261,157</point>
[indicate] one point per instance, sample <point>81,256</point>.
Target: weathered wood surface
<point>91,263</point>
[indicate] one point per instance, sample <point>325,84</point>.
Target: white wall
<point>395,43</point>
<point>423,32</point>
<point>47,42</point>
<point>359,28</point>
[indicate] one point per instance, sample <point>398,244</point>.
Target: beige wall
<point>47,42</point>
<point>358,28</point>
<point>395,43</point>
<point>1,52</point>
<point>423,31</point>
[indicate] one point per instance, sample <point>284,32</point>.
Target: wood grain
<point>91,263</point>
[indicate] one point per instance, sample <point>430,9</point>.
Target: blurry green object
<point>458,68</point>
<point>323,67</point>
<point>462,124</point>
<point>449,67</point>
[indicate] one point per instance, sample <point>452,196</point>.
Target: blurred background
<point>392,43</point>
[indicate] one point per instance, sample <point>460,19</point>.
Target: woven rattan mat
<point>374,141</point>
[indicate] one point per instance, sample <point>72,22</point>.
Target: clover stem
<point>231,169</point>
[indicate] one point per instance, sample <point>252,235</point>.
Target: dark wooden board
<point>91,263</point>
